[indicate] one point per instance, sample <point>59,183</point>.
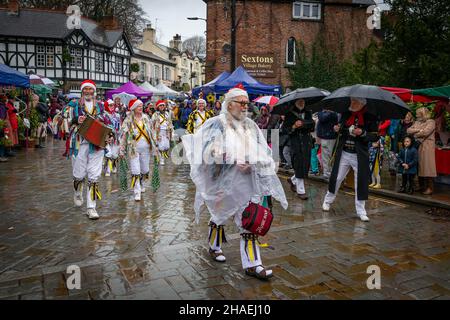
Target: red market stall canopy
<point>407,95</point>
<point>420,95</point>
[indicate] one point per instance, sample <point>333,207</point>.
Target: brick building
<point>268,30</point>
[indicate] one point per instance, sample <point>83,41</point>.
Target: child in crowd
<point>315,158</point>
<point>408,159</point>
<point>111,156</point>
<point>376,162</point>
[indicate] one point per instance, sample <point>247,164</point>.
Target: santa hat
<point>109,106</point>
<point>88,84</point>
<point>134,104</point>
<point>160,102</point>
<point>240,86</point>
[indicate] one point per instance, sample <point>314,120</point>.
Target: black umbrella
<point>381,103</point>
<point>311,96</point>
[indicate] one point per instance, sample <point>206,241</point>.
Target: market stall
<point>437,100</point>
<point>130,88</point>
<point>251,85</point>
<point>15,84</point>
<point>209,87</point>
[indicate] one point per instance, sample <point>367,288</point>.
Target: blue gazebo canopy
<point>11,77</point>
<point>209,87</point>
<point>240,76</point>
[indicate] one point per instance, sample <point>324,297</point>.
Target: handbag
<point>257,219</point>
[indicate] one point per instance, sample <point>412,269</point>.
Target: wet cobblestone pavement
<point>154,250</point>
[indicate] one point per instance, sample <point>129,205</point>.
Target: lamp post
<point>198,18</point>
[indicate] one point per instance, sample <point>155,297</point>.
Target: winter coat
<point>370,134</point>
<point>410,156</point>
<point>42,109</point>
<point>325,125</point>
<point>300,141</point>
<point>12,114</point>
<point>424,130</point>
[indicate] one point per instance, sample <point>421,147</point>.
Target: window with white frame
<point>40,56</point>
<point>77,58</point>
<point>156,72</point>
<point>99,67</point>
<point>50,56</point>
<point>291,51</point>
<point>168,74</point>
<point>307,10</point>
<point>143,70</point>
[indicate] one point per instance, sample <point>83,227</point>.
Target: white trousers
<point>164,143</point>
<point>299,184</point>
<point>89,165</point>
<point>348,160</point>
<point>327,151</point>
<point>140,164</point>
<point>250,252</point>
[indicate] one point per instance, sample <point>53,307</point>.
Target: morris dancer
<point>232,166</point>
<point>87,159</point>
<point>198,117</point>
<point>136,141</point>
<point>162,129</point>
<point>112,149</point>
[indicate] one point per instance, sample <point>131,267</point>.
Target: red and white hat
<point>88,84</point>
<point>134,104</point>
<point>160,102</point>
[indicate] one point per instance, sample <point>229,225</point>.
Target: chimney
<point>110,23</point>
<point>176,42</point>
<point>149,34</point>
<point>13,7</point>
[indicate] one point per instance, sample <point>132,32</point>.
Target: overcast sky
<point>170,18</point>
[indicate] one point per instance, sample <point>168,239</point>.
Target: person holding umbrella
<point>356,130</point>
<point>298,100</point>
<point>299,124</point>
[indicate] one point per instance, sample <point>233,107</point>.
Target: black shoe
<point>302,196</point>
<point>292,185</point>
<point>402,190</point>
<point>410,191</point>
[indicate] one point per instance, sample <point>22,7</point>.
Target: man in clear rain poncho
<point>231,166</point>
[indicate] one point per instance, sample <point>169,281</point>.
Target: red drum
<point>94,131</point>
<point>257,219</point>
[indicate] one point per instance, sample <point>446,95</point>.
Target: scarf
<point>356,115</point>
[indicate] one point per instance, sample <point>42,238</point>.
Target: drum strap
<point>142,133</point>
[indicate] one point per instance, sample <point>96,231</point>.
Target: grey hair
<point>363,101</point>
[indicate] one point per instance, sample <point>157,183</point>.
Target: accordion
<point>94,131</point>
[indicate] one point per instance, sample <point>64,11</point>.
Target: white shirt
<point>199,121</point>
<point>89,106</point>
